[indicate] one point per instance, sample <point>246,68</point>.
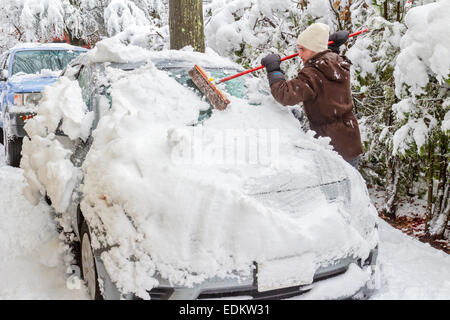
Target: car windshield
<point>236,87</point>
<point>33,61</point>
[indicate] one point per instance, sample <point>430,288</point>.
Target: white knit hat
<point>315,37</point>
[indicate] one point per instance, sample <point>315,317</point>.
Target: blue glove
<point>339,39</point>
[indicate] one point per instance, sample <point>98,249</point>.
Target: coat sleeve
<point>291,92</point>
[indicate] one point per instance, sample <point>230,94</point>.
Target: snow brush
<point>215,96</point>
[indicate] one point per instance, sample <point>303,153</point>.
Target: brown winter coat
<point>324,87</point>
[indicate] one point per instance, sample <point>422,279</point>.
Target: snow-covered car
<point>171,199</point>
<point>24,71</point>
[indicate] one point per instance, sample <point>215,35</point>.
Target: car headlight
<point>33,98</point>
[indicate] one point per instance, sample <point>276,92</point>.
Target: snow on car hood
<point>22,82</point>
<point>189,203</point>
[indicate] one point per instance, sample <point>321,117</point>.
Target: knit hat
<point>315,37</point>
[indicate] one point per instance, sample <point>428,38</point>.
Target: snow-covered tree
<point>10,27</point>
<point>82,21</point>
<point>373,60</point>
<point>422,81</point>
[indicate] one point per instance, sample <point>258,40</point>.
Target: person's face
<point>305,54</point>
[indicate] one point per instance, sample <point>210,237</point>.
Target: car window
<point>84,82</point>
<point>33,61</point>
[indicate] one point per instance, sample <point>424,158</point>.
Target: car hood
<point>31,83</point>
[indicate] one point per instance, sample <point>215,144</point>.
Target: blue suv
<point>24,71</point>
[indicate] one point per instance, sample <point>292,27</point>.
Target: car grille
<point>161,293</point>
<point>283,293</point>
<point>256,295</point>
<point>251,292</point>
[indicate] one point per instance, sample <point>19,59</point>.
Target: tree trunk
<point>436,227</point>
<point>393,175</point>
<point>186,24</point>
<point>428,214</point>
<point>439,222</point>
<point>385,9</point>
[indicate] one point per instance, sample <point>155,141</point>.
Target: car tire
<point>13,148</point>
<point>88,266</point>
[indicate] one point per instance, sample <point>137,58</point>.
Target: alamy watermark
<point>227,147</point>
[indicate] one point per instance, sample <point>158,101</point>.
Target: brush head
<point>217,98</point>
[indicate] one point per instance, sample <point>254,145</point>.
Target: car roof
<point>45,46</point>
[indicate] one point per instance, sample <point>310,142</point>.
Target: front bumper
<point>16,123</point>
<point>248,289</point>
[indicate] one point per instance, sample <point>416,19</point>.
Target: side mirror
<point>3,75</point>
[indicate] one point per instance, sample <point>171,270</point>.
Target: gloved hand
<point>272,63</point>
<point>339,39</point>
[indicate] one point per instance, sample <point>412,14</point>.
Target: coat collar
<point>316,57</point>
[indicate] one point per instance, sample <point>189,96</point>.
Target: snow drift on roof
<point>32,45</point>
<point>114,50</point>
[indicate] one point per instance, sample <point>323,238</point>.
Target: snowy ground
<point>31,258</point>
<point>32,266</point>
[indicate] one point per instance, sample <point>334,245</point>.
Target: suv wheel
<point>13,148</point>
<point>88,268</point>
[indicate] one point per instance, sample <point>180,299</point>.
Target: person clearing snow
<point>323,85</point>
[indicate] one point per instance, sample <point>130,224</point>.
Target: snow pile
<point>45,160</point>
<point>157,195</point>
<point>32,45</point>
<point>118,50</point>
<point>26,226</point>
<point>411,269</point>
<point>110,50</point>
<point>425,48</point>
<point>31,256</point>
<point>187,57</point>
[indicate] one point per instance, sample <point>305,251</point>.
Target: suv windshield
<point>33,61</point>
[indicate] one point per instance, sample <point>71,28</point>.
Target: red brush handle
<point>282,59</point>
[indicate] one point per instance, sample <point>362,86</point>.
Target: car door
<point>81,147</point>
<point>82,74</point>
